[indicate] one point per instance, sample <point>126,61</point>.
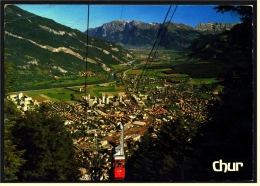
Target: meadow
<point>54,94</point>
<point>169,65</point>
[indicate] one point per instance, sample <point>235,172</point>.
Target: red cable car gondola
<point>119,158</point>
<point>119,167</point>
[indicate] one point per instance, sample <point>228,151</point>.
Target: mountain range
<point>43,51</point>
<point>140,34</point>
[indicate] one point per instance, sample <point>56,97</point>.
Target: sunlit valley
<point>64,90</point>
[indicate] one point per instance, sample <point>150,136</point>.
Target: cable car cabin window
<point>120,163</point>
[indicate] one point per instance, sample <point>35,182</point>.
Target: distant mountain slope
<point>40,48</point>
<point>136,33</point>
<point>232,45</point>
<point>217,27</point>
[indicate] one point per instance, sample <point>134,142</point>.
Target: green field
<point>55,94</point>
<point>169,65</point>
<point>97,90</point>
<point>177,75</point>
<point>202,81</point>
<point>119,67</point>
<point>64,95</point>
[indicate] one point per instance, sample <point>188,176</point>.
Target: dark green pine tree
<point>9,76</point>
<point>174,146</point>
<point>229,134</point>
<point>140,166</point>
<point>12,156</point>
<point>50,154</point>
<point>163,159</point>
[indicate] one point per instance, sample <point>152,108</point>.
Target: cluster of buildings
<point>104,100</point>
<point>99,119</point>
<point>93,126</point>
<point>23,102</point>
<point>159,110</point>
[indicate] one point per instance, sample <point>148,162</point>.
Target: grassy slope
<point>41,75</point>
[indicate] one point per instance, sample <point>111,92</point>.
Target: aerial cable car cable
<point>136,88</point>
<point>162,37</point>
<point>158,34</point>
<point>122,11</point>
<point>95,176</point>
<point>117,37</point>
<point>165,31</point>
<point>86,61</point>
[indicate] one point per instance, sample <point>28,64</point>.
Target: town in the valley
<point>93,120</point>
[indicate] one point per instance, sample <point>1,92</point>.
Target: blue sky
<point>75,16</point>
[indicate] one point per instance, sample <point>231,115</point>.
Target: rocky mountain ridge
<point>137,33</point>
<point>119,26</point>
<point>211,26</point>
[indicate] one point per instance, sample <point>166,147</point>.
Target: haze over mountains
<point>140,34</point>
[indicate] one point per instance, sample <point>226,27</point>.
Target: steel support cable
<point>158,34</point>
<point>162,36</point>
<point>117,37</point>
<point>86,67</point>
<point>122,11</point>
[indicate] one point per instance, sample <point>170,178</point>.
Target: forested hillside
<point>43,50</point>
